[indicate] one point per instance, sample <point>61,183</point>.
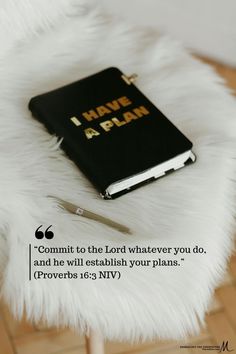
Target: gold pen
<point>74,209</point>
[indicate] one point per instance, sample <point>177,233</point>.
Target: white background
<point>207,26</point>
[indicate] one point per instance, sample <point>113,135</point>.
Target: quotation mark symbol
<point>47,234</point>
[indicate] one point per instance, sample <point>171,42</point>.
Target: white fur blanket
<point>46,44</point>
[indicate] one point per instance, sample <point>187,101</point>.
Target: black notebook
<point>115,135</point>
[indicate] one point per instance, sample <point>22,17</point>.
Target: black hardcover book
<point>115,135</point>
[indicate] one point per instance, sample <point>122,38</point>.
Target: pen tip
<point>126,231</point>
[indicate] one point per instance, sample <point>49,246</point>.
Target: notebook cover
<point>109,128</point>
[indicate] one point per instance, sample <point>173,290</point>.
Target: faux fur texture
<point>46,44</point>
